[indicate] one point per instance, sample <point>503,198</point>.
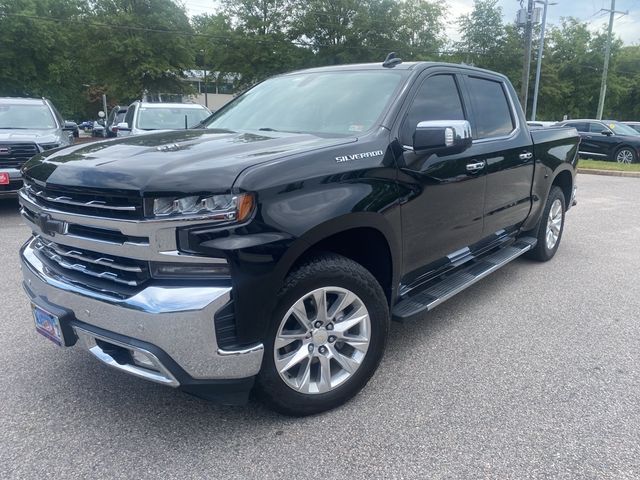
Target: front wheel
<point>549,232</point>
<point>326,338</point>
<point>626,155</point>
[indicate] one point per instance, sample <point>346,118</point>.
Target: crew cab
<point>269,249</point>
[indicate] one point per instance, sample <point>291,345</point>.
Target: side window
<point>129,116</point>
<point>597,127</point>
<point>437,99</point>
<point>493,115</point>
<point>580,126</point>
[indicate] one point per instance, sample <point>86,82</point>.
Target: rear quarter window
<point>492,112</point>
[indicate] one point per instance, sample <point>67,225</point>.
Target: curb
<point>610,173</point>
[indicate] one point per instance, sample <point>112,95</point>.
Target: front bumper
<point>15,183</point>
<point>171,326</point>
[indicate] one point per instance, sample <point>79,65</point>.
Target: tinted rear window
<point>491,107</point>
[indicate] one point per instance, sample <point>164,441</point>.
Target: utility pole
<point>206,93</point>
<point>526,70</point>
<point>605,70</point>
<point>540,50</point>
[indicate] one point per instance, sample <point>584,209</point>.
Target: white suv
<point>143,117</point>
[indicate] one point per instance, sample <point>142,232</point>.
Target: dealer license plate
<point>48,325</point>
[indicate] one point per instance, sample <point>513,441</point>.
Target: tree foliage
<point>73,51</point>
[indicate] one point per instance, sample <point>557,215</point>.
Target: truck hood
<point>28,135</point>
<point>186,161</point>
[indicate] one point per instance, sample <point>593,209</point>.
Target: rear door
<point>443,212</point>
<point>502,142</point>
<point>600,144</point>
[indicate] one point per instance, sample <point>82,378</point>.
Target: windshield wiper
<point>14,128</point>
<point>268,129</point>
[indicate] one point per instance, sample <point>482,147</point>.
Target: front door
<point>444,198</point>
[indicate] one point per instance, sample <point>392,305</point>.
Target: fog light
<point>142,360</point>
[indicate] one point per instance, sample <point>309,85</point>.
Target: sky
<point>626,27</point>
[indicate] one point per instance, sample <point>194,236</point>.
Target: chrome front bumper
<point>177,320</point>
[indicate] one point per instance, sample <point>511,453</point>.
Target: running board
<point>455,283</point>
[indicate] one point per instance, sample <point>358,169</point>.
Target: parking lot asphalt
<point>532,373</point>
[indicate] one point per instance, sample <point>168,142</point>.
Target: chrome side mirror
<point>443,137</point>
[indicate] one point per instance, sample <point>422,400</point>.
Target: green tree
<point>421,29</point>
<point>146,46</point>
<point>483,34</point>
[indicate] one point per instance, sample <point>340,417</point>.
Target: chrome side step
<point>452,284</point>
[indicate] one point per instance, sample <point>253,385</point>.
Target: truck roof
<point>22,101</point>
<point>399,66</point>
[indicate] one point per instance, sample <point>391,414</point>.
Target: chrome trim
<point>69,201</point>
<point>177,319</point>
<point>83,269</point>
<point>475,167</point>
<point>161,234</point>
<point>104,261</point>
<point>243,351</point>
<point>526,156</point>
<point>160,375</point>
<point>590,153</point>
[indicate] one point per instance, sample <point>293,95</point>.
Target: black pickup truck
<point>269,249</point>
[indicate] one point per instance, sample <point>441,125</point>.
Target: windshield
<point>621,128</point>
<point>170,118</point>
<point>331,102</point>
<point>26,117</point>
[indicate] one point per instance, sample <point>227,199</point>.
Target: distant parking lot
<point>532,373</point>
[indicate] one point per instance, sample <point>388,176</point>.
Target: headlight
<point>49,146</point>
<point>216,207</point>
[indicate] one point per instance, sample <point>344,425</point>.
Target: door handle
<point>526,156</point>
<point>475,167</point>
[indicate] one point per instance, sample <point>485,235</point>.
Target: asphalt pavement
<point>532,373</point>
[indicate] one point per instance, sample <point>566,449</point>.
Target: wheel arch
<point>564,180</point>
<point>366,238</point>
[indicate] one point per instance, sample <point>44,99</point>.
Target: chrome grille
<point>92,269</point>
<point>14,155</point>
<point>86,202</point>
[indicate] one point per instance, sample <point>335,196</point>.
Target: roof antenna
<point>391,60</point>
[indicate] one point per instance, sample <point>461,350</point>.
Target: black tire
<point>630,153</point>
<point>323,271</point>
<point>542,252</point>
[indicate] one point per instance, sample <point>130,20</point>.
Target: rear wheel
<point>626,155</point>
<point>326,337</point>
<point>549,232</point>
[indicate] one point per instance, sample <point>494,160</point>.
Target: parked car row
<point>603,139</point>
<point>29,126</point>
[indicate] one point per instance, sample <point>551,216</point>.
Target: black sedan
<point>607,140</point>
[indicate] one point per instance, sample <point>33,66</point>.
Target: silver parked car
<point>27,126</point>
<point>143,117</point>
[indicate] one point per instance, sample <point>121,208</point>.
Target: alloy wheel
<point>554,224</point>
<point>624,156</point>
<point>322,340</point>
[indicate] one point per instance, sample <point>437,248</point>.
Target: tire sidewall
<point>555,194</point>
<point>285,399</point>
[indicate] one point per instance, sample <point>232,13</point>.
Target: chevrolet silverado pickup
<point>267,250</point>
